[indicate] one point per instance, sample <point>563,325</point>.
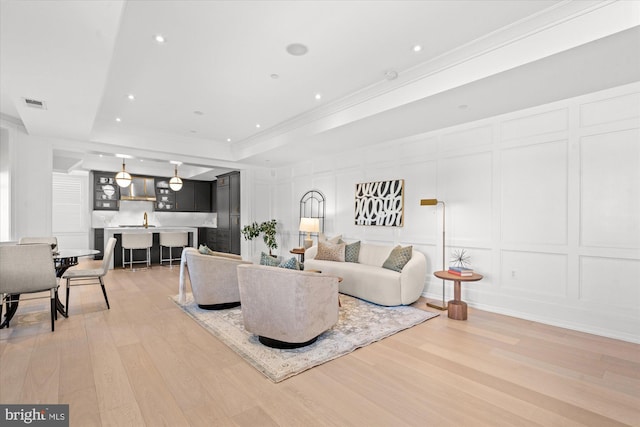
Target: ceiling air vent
<point>34,103</point>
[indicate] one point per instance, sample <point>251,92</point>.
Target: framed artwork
<point>380,203</point>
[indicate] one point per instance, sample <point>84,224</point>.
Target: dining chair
<point>26,269</point>
<point>50,240</point>
<point>94,276</point>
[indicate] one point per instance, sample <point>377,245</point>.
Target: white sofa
<point>367,280</point>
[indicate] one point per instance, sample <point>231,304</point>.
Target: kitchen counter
<point>111,231</point>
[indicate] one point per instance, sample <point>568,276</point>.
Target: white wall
<point>546,201</point>
<point>30,182</point>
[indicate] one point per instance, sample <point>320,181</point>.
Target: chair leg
<point>53,310</point>
<point>66,306</point>
<point>104,292</point>
<point>123,258</point>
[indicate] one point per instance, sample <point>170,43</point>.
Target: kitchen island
<point>155,250</point>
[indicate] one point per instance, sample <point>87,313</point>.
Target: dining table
<point>63,259</point>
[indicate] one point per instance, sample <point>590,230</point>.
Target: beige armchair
<point>214,278</point>
<point>287,308</point>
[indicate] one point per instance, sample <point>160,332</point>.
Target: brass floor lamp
<point>433,202</point>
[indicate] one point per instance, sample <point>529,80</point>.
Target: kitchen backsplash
<point>132,213</point>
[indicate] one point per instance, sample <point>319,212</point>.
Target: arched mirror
<point>312,205</point>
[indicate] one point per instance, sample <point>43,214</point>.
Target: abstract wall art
<point>380,203</point>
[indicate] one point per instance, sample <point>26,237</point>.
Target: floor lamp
<point>433,202</point>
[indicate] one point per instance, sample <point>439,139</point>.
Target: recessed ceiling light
<point>228,139</point>
<point>463,106</point>
<point>141,160</point>
<point>198,113</point>
<point>131,97</point>
<point>417,48</point>
<point>318,96</point>
<point>118,119</point>
<point>257,125</point>
<point>159,38</point>
<point>193,131</point>
<point>175,162</point>
<point>275,76</point>
<point>297,49</point>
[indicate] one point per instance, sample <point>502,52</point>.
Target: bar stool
<point>171,240</point>
<point>135,241</point>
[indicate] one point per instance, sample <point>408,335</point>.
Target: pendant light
<point>175,183</point>
<point>123,178</point>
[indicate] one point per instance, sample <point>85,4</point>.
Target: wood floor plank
<point>145,362</point>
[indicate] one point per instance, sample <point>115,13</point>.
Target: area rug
<point>359,324</point>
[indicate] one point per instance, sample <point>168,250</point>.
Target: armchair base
<point>270,342</point>
<point>222,306</point>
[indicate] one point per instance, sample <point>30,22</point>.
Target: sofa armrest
<point>412,278</point>
<point>311,252</point>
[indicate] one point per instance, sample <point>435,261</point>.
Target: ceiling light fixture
<point>297,49</point>
<point>258,125</point>
<point>131,97</point>
<point>123,178</point>
<point>228,139</point>
<point>275,76</point>
<point>159,38</point>
<point>318,96</point>
<point>198,113</point>
<point>118,119</point>
<point>417,48</point>
<point>175,183</point>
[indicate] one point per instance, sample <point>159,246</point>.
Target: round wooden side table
<point>457,308</point>
<point>298,251</point>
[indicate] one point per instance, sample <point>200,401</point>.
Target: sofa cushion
<point>398,258</point>
<point>266,259</point>
<point>330,251</point>
<point>352,252</point>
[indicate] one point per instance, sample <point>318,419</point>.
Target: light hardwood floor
<point>145,363</point>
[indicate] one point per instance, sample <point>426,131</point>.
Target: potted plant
<point>266,228</point>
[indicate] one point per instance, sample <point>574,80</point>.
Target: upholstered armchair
<point>287,308</point>
<point>214,278</point>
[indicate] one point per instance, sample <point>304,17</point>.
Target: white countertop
<point>120,230</point>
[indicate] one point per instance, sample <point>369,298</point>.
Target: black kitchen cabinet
<point>228,209</point>
<point>214,196</point>
<point>165,197</point>
<point>208,236</point>
<point>98,242</point>
<point>202,196</point>
<point>106,193</point>
<point>234,194</point>
<point>185,198</point>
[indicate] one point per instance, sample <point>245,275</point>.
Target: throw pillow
<point>398,258</point>
<point>204,250</point>
<point>291,263</point>
<point>323,238</point>
<point>352,252</point>
<point>266,259</point>
<point>330,251</point>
